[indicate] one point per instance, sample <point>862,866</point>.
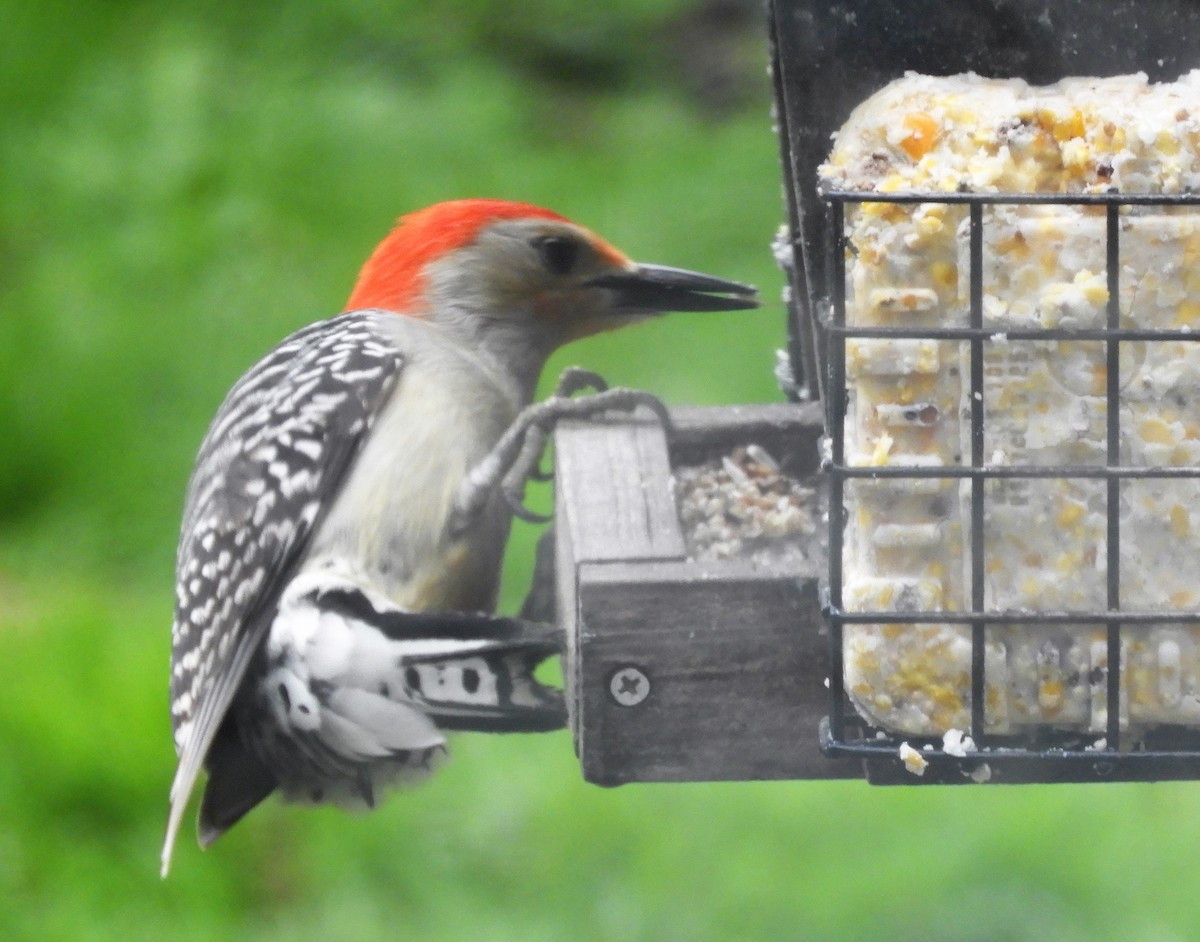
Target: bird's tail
<point>463,670</point>
<point>353,695</point>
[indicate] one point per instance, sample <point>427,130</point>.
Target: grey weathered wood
<point>613,502</point>
<point>789,431</point>
<point>735,662</point>
<point>735,655</point>
<point>614,486</point>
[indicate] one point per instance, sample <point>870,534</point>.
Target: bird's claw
<point>572,380</point>
<point>526,467</point>
<point>576,379</point>
<point>515,460</point>
<point>528,464</point>
<point>520,511</point>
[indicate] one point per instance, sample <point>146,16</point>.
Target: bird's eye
<point>558,253</point>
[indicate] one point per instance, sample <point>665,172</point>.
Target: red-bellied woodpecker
<point>345,521</point>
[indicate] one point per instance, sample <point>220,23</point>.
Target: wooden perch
<point>678,670</point>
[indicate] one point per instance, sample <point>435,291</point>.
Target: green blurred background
<point>183,184</point>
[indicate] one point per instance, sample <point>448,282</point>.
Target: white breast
<point>389,522</point>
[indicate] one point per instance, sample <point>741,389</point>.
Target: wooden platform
<point>678,670</point>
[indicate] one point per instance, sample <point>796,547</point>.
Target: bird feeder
<point>996,432</point>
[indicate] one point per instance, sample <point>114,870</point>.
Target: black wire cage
<point>827,58</point>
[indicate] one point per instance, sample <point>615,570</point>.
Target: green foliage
<point>180,185</point>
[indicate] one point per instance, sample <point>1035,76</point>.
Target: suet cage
<point>998,609</point>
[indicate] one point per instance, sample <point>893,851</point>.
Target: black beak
<point>652,289</point>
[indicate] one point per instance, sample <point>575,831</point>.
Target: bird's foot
<point>516,458</point>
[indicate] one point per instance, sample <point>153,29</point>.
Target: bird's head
<point>522,280</point>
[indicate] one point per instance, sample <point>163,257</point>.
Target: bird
<point>343,527</point>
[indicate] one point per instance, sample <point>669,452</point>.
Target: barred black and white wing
<point>269,467</point>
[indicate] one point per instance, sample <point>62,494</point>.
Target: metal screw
<point>629,686</point>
